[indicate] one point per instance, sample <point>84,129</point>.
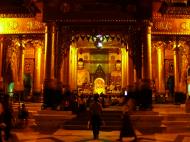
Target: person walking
<point>2,123</point>
<point>127,129</point>
<point>95,117</point>
<point>23,116</point>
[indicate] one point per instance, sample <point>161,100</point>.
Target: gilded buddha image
<point>116,74</point>
<point>83,75</point>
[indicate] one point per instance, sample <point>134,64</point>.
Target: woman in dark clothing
<point>23,116</point>
<point>2,123</point>
<point>126,125</point>
<point>95,117</point>
<point>8,119</point>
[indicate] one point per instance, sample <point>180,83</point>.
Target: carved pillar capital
<point>158,45</point>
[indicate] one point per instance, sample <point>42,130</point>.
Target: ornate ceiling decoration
<point>18,8</point>
<point>104,38</point>
<point>96,11</point>
<point>175,7</point>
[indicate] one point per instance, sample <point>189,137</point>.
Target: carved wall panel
<point>183,51</point>
<point>29,66</point>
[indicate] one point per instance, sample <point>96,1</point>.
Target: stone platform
<point>164,123</point>
<point>162,118</point>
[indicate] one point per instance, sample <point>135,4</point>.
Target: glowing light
<point>11,89</point>
<point>99,45</point>
<point>99,86</point>
<point>39,57</point>
<point>1,28</point>
<point>100,37</point>
<point>159,67</point>
<point>188,88</point>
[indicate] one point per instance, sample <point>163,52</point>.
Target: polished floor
<point>86,136</point>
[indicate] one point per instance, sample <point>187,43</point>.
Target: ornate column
<point>160,58</point>
<point>145,85</point>
<point>1,60</point>
<point>63,56</point>
<point>50,83</point>
<point>37,70</point>
<point>127,69</point>
<point>137,57</point>
<point>19,83</point>
<point>50,43</point>
<point>62,72</point>
<point>66,68</point>
<point>131,71</point>
<point>131,66</point>
<point>73,67</point>
<point>176,67</point>
<point>147,55</point>
<point>124,73</point>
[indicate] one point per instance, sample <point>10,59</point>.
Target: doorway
<point>27,85</point>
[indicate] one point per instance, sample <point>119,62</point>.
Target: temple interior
<point>44,49</point>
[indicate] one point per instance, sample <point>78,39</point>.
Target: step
<point>176,123</point>
<point>155,106</point>
<point>177,129</point>
<point>113,123</point>
<point>54,112</point>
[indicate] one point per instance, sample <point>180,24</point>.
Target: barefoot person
<point>95,117</point>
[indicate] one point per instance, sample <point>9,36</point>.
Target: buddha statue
<point>116,74</point>
<point>83,75</point>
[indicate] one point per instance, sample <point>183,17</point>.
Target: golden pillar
<point>66,67</point>
<point>43,65</point>
<point>37,70</point>
<point>50,43</point>
<point>160,55</point>
<point>143,68</point>
<point>62,72</point>
<point>50,84</point>
<point>149,52</point>
<point>19,84</point>
<point>131,71</point>
<point>73,67</point>
<point>176,67</point>
<point>147,56</point>
<point>125,68</point>
<point>19,80</point>
<point>135,75</point>
<point>1,60</point>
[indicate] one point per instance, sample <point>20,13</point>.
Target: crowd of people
<point>80,103</point>
<point>94,103</point>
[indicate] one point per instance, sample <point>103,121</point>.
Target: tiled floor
<point>86,136</point>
